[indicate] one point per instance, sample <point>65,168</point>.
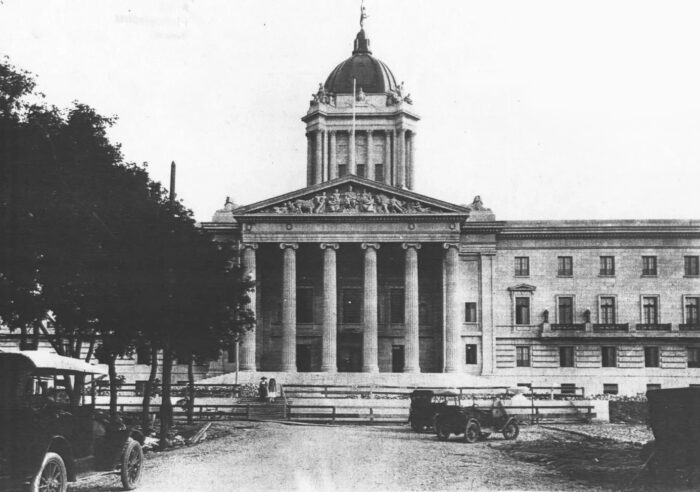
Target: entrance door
<point>397,358</point>
<point>304,358</point>
<point>349,359</point>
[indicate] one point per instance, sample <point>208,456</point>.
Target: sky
<point>547,109</point>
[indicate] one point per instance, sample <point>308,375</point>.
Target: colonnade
<point>370,364</point>
<point>398,165</point>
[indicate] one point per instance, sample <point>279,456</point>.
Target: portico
<point>353,288</point>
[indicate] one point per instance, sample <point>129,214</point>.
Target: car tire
<point>472,432</point>
<point>511,431</point>
<point>52,476</point>
<point>132,464</point>
<point>441,432</point>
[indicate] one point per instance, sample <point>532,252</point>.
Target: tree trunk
<point>113,388</point>
<point>166,406</point>
<point>147,391</point>
<point>190,390</point>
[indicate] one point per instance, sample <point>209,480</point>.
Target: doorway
<point>397,358</point>
<point>304,358</point>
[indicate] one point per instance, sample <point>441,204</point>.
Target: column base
<point>452,370</point>
<point>330,370</point>
<point>288,369</point>
<point>247,369</point>
<point>411,369</point>
<point>370,369</point>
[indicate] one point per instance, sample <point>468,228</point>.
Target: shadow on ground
<point>597,463</point>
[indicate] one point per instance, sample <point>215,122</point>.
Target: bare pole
<point>172,182</point>
<point>353,162</point>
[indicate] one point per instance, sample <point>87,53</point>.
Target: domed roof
<point>371,75</point>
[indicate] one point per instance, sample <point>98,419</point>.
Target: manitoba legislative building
<point>360,278</point>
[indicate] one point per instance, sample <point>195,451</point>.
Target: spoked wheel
<point>511,431</point>
<point>442,433</point>
<point>132,465</point>
<point>52,477</point>
<point>472,432</point>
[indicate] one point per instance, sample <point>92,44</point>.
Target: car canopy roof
<point>46,362</point>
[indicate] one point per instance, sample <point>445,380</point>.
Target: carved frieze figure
<point>361,96</point>
<point>323,96</point>
<point>545,315</point>
<point>349,201</point>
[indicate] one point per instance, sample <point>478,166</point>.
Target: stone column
<point>329,361</point>
<point>318,169</point>
<point>394,159</point>
<point>411,161</point>
<point>333,162</point>
<point>401,171</point>
<point>309,160</point>
<point>370,164</point>
<point>387,157</point>
<point>488,333</point>
<point>352,161</point>
<point>411,308</point>
<point>247,349</point>
<point>370,361</point>
<point>289,307</point>
<point>453,322</point>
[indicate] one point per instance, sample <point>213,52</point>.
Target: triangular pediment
<point>522,288</point>
<point>351,195</point>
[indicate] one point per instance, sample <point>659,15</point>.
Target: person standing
<point>272,390</point>
<point>262,389</point>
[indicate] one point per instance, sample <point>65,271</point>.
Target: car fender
<point>57,444</point>
<point>510,419</point>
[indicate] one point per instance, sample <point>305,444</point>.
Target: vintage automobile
<point>475,422</point>
<point>425,405</point>
<point>50,434</point>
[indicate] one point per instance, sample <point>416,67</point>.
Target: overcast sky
<point>547,109</point>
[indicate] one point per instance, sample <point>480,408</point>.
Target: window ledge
<point>691,276</point>
<point>565,276</point>
<point>606,275</point>
<point>650,275</point>
<point>521,276</point>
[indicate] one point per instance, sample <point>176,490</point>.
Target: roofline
<point>600,228</point>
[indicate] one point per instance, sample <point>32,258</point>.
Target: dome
<point>371,75</point>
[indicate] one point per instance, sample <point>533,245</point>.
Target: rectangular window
<point>342,170</point>
<point>651,356</point>
<point>379,172</point>
<point>648,265</point>
<point>565,310</point>
<point>653,387</point>
<point>693,356</point>
<point>610,389</point>
<point>362,170</point>
<point>650,309</point>
<point>522,310</point>
<point>305,305</point>
<point>565,266</point>
<point>609,356</point>
<point>568,389</point>
<point>692,310</point>
<point>522,356</point>
<point>396,308</point>
<point>566,356</point>
<point>692,266</point>
<point>470,351</point>
<point>342,151</point>
<point>352,305</point>
<point>607,265</point>
<point>470,312</point>
<point>607,310</point>
<point>522,266</point>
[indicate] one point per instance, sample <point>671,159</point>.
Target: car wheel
<point>472,432</point>
<point>511,431</point>
<point>442,433</point>
<point>132,465</point>
<point>52,476</point>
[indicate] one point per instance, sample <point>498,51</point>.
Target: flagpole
<point>353,163</point>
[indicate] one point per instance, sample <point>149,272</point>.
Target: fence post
<point>333,416</point>
<point>247,411</point>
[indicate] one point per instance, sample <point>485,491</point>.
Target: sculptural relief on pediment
<point>346,200</point>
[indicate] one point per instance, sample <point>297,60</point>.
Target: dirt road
<point>270,456</point>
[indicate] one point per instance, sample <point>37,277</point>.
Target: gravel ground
<point>271,456</point>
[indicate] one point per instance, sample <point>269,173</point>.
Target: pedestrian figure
<point>272,389</point>
<point>262,389</point>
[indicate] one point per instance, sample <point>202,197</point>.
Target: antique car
<point>50,434</point>
<point>475,423</point>
<point>675,451</point>
<point>425,404</point>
